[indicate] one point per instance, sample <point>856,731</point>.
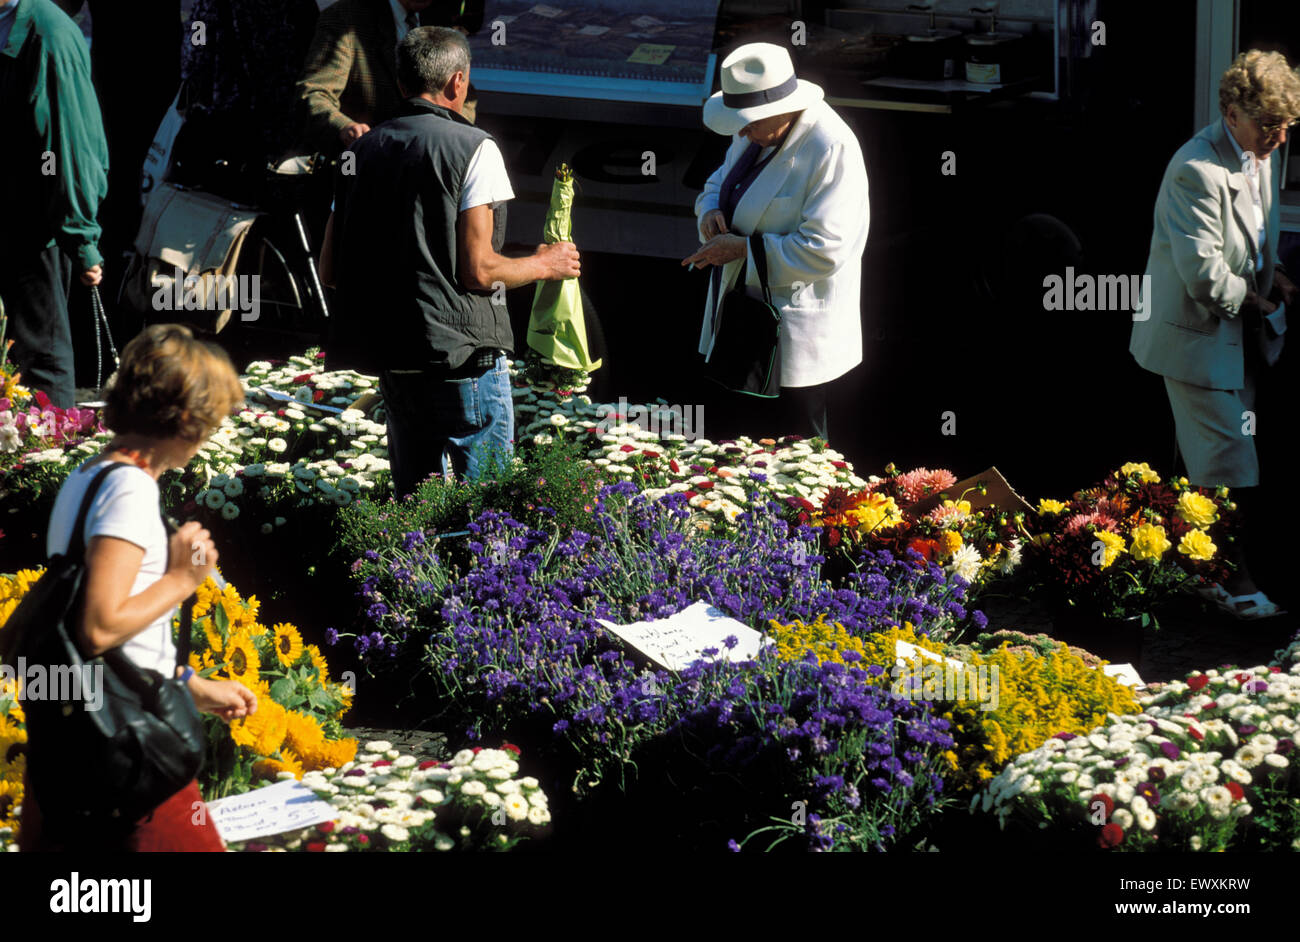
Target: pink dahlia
<point>922,482</point>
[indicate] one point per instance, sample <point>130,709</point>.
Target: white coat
<point>810,204</point>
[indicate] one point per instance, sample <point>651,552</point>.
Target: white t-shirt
<point>126,507</point>
<point>486,180</point>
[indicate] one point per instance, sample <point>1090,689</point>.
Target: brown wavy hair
<point>1262,84</point>
<point>171,384</point>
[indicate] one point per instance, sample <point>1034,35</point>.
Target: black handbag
<point>746,336</point>
<point>109,741</point>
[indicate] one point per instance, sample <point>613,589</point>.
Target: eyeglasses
<point>1271,125</point>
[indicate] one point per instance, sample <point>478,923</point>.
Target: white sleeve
<point>486,180</point>
<point>125,507</point>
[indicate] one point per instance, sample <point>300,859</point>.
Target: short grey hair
<point>428,57</point>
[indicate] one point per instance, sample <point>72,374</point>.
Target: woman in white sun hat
<point>794,174</point>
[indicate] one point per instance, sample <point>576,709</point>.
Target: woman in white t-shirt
<point>169,394</point>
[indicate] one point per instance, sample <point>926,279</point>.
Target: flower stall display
<point>296,727</point>
<point>997,704</point>
<point>978,545</point>
<point>1207,765</point>
<point>1118,549</point>
<point>388,801</point>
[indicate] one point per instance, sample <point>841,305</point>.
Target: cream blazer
<point>1202,261</point>
<point>810,204</point>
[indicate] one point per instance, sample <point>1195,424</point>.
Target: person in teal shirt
<point>53,176</point>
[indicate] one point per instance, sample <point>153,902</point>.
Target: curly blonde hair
<point>171,383</point>
<point>1262,84</point>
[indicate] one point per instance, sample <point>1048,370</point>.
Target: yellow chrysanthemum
<point>1148,541</point>
<point>1112,546</point>
<point>331,754</point>
<point>949,542</point>
<point>1197,509</point>
<point>1197,545</point>
<point>1142,470</point>
<point>288,644</point>
<point>241,660</point>
<point>318,662</point>
<point>877,512</point>
<point>264,731</point>
<point>1048,506</point>
<point>270,767</point>
<point>305,734</point>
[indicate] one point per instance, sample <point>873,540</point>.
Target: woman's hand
<point>713,223</point>
<point>1285,286</point>
<point>719,250</point>
<point>191,554</point>
<point>228,699</point>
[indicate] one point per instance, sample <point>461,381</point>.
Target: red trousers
<point>179,825</point>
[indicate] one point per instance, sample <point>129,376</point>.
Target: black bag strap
<point>77,540</point>
<point>758,246</point>
<point>187,614</point>
<point>77,550</point>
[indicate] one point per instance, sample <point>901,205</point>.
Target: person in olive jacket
<point>53,176</point>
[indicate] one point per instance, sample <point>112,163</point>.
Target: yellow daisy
<point>305,734</point>
<point>271,767</point>
<point>288,644</point>
<point>331,754</point>
<point>264,731</point>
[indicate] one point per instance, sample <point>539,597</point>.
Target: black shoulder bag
<point>747,333</point>
<point>108,741</point>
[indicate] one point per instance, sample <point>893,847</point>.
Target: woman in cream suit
<point>794,174</point>
<point>1217,293</point>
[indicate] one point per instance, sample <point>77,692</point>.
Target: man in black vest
<point>414,248</point>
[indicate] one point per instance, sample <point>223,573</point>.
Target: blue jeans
<point>447,425</point>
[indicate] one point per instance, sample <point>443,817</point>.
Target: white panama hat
<point>758,81</point>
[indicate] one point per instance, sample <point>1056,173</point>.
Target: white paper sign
<point>646,21</point>
<point>1126,674</point>
<point>679,640</point>
<point>285,806</point>
<point>904,652</point>
<point>593,30</point>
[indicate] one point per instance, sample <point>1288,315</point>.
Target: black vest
<point>402,304</point>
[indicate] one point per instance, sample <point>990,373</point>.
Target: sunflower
<point>288,644</point>
<point>256,629</point>
<point>346,693</point>
<point>242,663</point>
<point>216,642</point>
<point>318,661</point>
<point>11,796</point>
<point>271,767</point>
<point>331,754</point>
<point>209,595</point>
<point>263,732</point>
<point>244,615</point>
<point>305,734</point>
